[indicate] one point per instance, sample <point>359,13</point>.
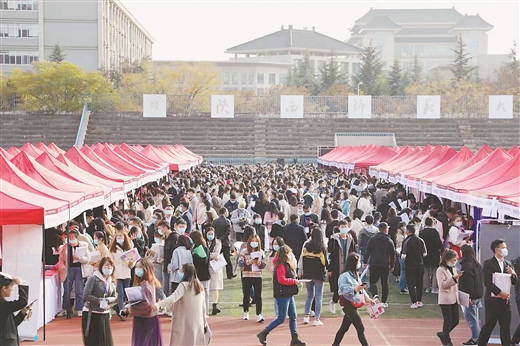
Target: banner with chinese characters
<point>154,106</point>
<point>291,106</point>
<point>360,107</point>
<point>500,106</point>
<point>428,106</point>
<point>222,106</point>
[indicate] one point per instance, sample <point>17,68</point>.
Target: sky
<point>202,30</point>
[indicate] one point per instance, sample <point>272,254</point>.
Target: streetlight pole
<point>358,84</point>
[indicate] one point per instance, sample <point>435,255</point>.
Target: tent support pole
<point>43,277</point>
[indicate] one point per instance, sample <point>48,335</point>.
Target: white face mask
<point>458,223</point>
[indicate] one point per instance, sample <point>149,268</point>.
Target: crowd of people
<point>302,224</point>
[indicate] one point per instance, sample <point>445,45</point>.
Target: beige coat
<point>188,316</point>
<point>61,266</point>
<point>448,288</point>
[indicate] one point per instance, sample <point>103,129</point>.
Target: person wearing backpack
<point>366,233</point>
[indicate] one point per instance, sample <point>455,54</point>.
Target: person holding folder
<point>8,320</point>
<point>497,299</point>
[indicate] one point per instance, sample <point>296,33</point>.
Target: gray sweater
<point>95,290</point>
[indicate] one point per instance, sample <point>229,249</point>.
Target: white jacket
<point>121,271</point>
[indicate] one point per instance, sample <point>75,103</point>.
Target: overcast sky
<point>204,30</point>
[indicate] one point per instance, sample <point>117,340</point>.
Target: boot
<point>215,309</point>
<point>295,341</point>
<point>262,337</point>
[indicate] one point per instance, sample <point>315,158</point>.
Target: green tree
<point>330,75</point>
<point>303,75</point>
<point>416,70</point>
<point>57,87</point>
<point>58,54</point>
<point>460,66</point>
<point>370,72</point>
<point>395,79</point>
<point>126,67</point>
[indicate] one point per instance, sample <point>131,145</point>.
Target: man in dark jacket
<point>232,204</point>
<point>308,218</point>
<point>412,253</point>
<point>434,247</point>
<point>516,264</point>
<point>222,227</point>
<point>380,255</point>
<point>186,216</point>
<point>170,244</point>
<point>329,230</point>
<point>294,236</point>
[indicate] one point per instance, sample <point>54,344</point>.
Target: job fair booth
<point>43,187</point>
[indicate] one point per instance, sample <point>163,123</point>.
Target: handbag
<point>344,301</point>
<point>289,291</point>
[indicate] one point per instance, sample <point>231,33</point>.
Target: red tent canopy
<point>57,149</point>
<point>377,156</point>
<point>514,150</point>
<point>31,150</point>
<point>158,156</point>
<point>6,154</point>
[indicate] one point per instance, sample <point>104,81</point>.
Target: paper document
<point>464,235</point>
<point>80,252</point>
<point>130,255</point>
<point>134,294</point>
<point>158,249</point>
<point>502,281</point>
<point>464,299</point>
<point>218,264</point>
<point>256,254</point>
<point>95,256</point>
<point>304,280</point>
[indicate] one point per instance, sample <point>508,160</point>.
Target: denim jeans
<point>470,315</point>
<point>402,276</point>
<point>314,291</point>
<point>74,277</point>
<point>121,285</point>
<point>286,306</point>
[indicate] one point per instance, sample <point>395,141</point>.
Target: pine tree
<point>370,72</point>
<point>58,54</point>
<point>460,68</point>
<point>416,70</point>
<point>395,79</point>
<point>330,75</point>
<point>513,65</point>
<point>303,76</point>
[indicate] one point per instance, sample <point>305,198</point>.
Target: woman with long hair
<point>393,221</point>
<point>271,215</point>
<point>145,328</point>
<point>251,260</point>
<point>471,283</point>
<point>261,204</point>
<point>311,267</point>
<point>181,255</point>
<point>351,288</point>
<point>217,277</point>
<point>120,244</point>
<point>325,219</point>
<point>201,262</point>
<point>457,228</point>
<point>10,321</point>
<point>447,277</point>
<point>187,304</point>
<point>285,286</point>
<point>98,295</point>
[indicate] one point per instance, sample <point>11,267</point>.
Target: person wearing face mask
<point>339,246</point>
<point>120,244</point>
<point>308,218</point>
<point>138,240</point>
<point>186,216</point>
<point>277,227</point>
<point>365,204</point>
<point>156,255</point>
<point>181,255</point>
<point>447,277</point>
<point>353,202</point>
<point>251,261</point>
<point>79,269</point>
<point>455,238</point>
<point>99,242</point>
<point>168,215</point>
<point>201,262</point>
<point>261,230</point>
<point>318,202</point>
<point>99,294</point>
<point>413,252</point>
<point>170,243</point>
<point>217,277</point>
<point>497,302</point>
<point>145,327</point>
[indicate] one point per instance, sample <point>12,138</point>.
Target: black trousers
<point>450,314</point>
<point>333,282</point>
<point>496,310</point>
<point>377,273</point>
<point>256,284</point>
<point>414,280</point>
<point>516,336</point>
<point>351,317</point>
<point>173,287</point>
<point>229,267</point>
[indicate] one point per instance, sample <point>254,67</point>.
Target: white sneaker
<point>306,319</point>
<point>312,314</point>
<point>80,313</point>
<point>246,316</point>
<point>385,305</point>
<point>317,323</point>
<point>420,304</point>
<point>62,313</point>
<point>414,306</point>
<point>170,314</point>
<point>332,307</point>
<point>259,318</point>
<point>435,291</point>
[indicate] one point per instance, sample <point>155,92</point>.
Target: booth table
<point>52,298</point>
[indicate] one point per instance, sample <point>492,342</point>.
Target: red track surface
<point>235,332</point>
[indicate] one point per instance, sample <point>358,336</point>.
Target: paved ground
<point>232,331</point>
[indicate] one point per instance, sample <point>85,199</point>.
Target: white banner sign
<point>360,106</point>
<point>428,107</point>
<point>222,106</point>
<point>154,106</point>
<point>501,107</point>
<point>291,106</point>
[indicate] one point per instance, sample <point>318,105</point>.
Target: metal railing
<point>452,106</point>
<point>227,161</point>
